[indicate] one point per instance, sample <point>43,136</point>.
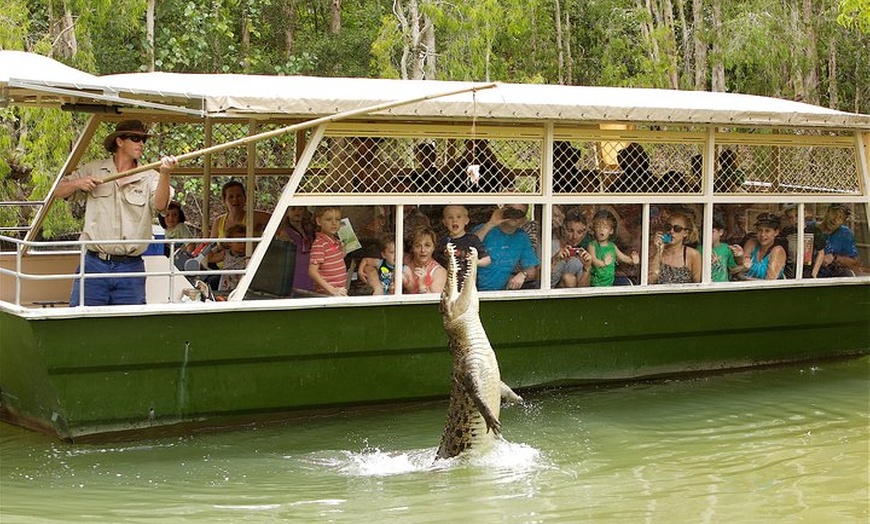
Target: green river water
<point>786,444</point>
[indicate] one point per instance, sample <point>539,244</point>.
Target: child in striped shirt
<point>326,268</point>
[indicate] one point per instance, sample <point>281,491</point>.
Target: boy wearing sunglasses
<point>121,209</point>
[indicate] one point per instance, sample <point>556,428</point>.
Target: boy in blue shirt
<point>510,249</point>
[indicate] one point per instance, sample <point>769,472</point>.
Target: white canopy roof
<point>26,77</point>
<point>42,70</point>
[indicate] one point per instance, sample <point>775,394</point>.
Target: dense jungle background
<point>817,51</point>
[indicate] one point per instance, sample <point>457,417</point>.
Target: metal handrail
<point>20,275</point>
<point>20,203</point>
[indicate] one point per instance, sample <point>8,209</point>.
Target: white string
<point>473,169</point>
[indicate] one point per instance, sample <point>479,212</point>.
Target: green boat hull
<point>77,377</point>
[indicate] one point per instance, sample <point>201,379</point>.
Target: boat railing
<point>177,280</point>
<point>168,283</point>
<point>6,228</point>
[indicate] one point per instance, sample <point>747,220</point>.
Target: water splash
<point>374,462</point>
<point>378,463</point>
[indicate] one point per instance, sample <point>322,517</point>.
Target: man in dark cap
<point>122,209</point>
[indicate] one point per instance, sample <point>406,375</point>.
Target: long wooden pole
<point>300,126</point>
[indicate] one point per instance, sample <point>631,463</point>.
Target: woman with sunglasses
<point>673,262</point>
<point>766,260</point>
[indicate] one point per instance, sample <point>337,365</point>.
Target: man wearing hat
<point>119,209</point>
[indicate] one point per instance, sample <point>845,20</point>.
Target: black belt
<point>115,258</point>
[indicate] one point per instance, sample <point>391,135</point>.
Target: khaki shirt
<point>122,209</point>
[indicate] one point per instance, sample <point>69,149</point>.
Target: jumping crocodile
<point>472,415</point>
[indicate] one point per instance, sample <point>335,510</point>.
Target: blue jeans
<point>110,291</point>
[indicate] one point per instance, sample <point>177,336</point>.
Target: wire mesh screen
<point>743,162</point>
<point>176,139</point>
<point>278,152</point>
<point>275,160</point>
<point>235,156</point>
<point>786,169</point>
<point>614,166</point>
<point>372,164</point>
<point>165,139</point>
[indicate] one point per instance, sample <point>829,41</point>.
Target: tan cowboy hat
<point>126,127</point>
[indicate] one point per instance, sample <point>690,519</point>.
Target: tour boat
<point>272,350</point>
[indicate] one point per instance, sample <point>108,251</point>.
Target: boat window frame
<point>709,137</point>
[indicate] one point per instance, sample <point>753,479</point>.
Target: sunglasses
<point>676,228</point>
<point>135,138</point>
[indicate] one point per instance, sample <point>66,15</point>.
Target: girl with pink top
<point>422,274</point>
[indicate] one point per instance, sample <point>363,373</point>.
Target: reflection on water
<point>787,444</point>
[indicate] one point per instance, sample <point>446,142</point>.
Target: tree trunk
<point>811,71</point>
<point>246,39</point>
<point>569,58</point>
<point>796,77</point>
<point>646,30</point>
<point>418,40</point>
<point>717,81</point>
<point>149,32</point>
<point>833,88</point>
<point>417,54</point>
<point>488,58</point>
<point>430,68</point>
<point>64,43</point>
<point>700,46</point>
<point>667,20</point>
<point>335,19</point>
<point>659,20</point>
<point>404,26</point>
<point>559,42</point>
<point>408,41</point>
<point>51,30</point>
<point>289,10</point>
<point>685,45</point>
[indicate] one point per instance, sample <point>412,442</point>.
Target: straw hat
<point>126,127</point>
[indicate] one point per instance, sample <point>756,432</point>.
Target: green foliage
<point>605,43</point>
<point>118,36</point>
<point>196,36</point>
<point>855,14</point>
<point>386,48</point>
<point>748,54</point>
<point>14,24</point>
<point>35,143</point>
<point>349,53</point>
<point>205,36</point>
<point>8,183</point>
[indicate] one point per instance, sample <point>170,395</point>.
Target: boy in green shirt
<point>605,254</point>
<point>727,260</point>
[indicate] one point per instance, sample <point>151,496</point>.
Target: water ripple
<point>779,445</point>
